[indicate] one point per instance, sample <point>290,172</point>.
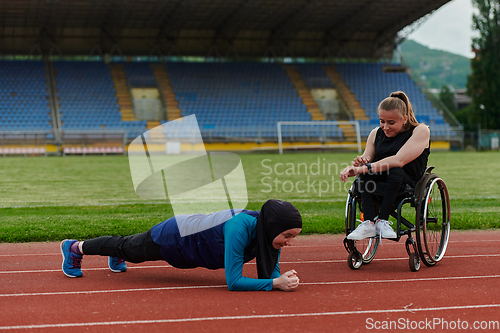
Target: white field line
<point>89,292</point>
<point>267,316</point>
<point>293,246</point>
<point>298,261</point>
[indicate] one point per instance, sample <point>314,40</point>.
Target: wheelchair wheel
<point>354,260</point>
<point>414,262</point>
<point>433,216</point>
<point>366,247</point>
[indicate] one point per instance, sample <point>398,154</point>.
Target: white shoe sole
<point>114,270</point>
<point>359,238</point>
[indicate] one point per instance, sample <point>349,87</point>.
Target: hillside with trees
<point>435,68</point>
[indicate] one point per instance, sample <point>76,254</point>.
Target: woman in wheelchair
<point>396,154</point>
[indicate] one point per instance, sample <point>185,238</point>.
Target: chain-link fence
<point>482,139</point>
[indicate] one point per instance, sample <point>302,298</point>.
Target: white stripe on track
<point>268,316</point>
<point>86,269</point>
<point>332,261</point>
<point>88,292</point>
<point>293,246</point>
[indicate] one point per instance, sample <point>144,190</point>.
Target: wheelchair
<point>431,227</point>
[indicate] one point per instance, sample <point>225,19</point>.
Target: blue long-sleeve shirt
<point>228,245</point>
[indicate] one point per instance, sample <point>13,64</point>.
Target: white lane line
<point>85,269</point>
<point>267,316</point>
<point>301,246</point>
<point>293,246</point>
<point>298,261</point>
<point>448,278</point>
<point>88,292</point>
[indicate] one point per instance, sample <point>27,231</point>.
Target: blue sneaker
<point>72,263</point>
<point>117,265</point>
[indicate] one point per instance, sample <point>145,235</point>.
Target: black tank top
<point>385,147</point>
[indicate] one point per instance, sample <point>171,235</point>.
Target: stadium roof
<point>283,28</point>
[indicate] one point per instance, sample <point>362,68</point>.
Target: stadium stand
<point>23,96</point>
<point>233,101</point>
<point>87,98</point>
<point>83,76</point>
<point>25,120</point>
<point>167,93</point>
<point>370,85</point>
<point>140,74</point>
<point>239,100</point>
<point>314,75</point>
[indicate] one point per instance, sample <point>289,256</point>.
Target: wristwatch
<point>369,166</point>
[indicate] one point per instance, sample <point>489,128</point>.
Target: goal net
<point>329,134</point>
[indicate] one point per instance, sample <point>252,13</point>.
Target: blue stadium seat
<point>24,102</point>
<point>237,99</point>
<point>87,97</point>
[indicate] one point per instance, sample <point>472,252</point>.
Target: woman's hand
<point>349,171</point>
<point>287,281</point>
<point>360,161</point>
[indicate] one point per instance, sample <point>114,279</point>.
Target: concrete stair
<point>152,124</point>
<point>167,93</point>
<point>345,94</point>
<point>349,100</point>
<point>304,93</point>
<point>122,92</point>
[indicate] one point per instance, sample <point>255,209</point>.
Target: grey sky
<point>449,29</point>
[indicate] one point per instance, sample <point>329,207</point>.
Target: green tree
<point>447,97</point>
<point>483,85</point>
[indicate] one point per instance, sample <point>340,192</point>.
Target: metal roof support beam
<point>386,42</point>
<point>96,49</point>
<point>45,45</point>
<point>291,25</point>
<point>36,50</point>
<point>361,28</point>
<point>213,51</point>
<point>168,31</point>
<point>116,48</point>
<point>226,32</point>
<point>344,30</point>
<point>232,52</point>
<point>106,38</point>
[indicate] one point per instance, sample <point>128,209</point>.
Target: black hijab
<point>275,217</point>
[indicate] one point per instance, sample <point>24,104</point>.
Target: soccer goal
<point>322,131</point>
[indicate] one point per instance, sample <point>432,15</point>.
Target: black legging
<point>136,248</point>
<point>394,179</point>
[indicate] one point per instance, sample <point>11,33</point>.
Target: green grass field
<point>49,199</point>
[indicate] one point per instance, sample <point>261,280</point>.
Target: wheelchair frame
<point>430,245</point>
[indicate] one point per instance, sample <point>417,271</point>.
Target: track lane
<point>330,293</point>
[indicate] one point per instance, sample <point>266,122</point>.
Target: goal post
<point>355,123</point>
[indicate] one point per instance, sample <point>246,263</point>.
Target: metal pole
<point>478,136</point>
<point>358,135</point>
<point>279,138</point>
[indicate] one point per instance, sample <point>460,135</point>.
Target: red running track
<point>459,292</point>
